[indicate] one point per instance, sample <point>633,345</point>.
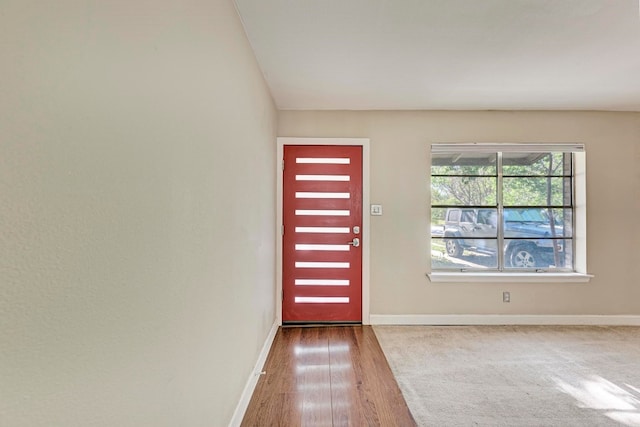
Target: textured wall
<point>400,143</point>
<point>137,150</point>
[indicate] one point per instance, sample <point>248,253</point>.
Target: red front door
<point>322,242</point>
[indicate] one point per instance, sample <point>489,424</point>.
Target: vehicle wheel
<point>453,248</point>
<point>523,257</point>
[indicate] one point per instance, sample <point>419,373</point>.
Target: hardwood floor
<point>327,376</point>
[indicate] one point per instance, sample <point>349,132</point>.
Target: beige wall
<point>399,168</point>
<point>137,150</point>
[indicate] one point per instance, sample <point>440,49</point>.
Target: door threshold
<point>318,324</point>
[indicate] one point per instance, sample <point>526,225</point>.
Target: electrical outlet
<point>506,297</point>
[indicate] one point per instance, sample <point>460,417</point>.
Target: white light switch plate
<point>376,210</point>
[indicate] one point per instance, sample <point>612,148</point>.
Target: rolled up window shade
<point>482,147</point>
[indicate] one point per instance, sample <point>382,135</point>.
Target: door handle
<point>355,242</point>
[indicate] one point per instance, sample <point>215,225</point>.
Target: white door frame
<point>364,143</point>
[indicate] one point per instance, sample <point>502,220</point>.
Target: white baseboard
<point>504,319</point>
<point>245,398</point>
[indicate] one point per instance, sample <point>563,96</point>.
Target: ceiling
<point>448,54</point>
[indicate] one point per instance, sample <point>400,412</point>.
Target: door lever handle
<point>355,242</point>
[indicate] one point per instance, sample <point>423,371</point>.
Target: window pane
<point>537,223</point>
<point>487,222</point>
<point>537,191</point>
<point>540,253</point>
<point>464,253</point>
<point>465,190</point>
<point>463,164</point>
<point>469,223</point>
<point>563,222</point>
<point>437,221</point>
<point>536,164</point>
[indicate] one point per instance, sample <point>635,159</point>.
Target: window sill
<point>455,277</point>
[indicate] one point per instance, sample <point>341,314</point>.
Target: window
<point>507,208</point>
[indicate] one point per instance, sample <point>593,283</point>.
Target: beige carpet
<point>517,375</point>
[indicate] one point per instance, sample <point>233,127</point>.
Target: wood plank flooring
<point>327,376</point>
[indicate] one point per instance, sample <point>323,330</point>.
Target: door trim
<point>364,143</point>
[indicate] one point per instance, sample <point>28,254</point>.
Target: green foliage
<point>463,190</point>
<point>532,191</point>
<point>483,170</point>
<point>545,164</point>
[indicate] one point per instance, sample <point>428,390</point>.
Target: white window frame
<point>580,275</point>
